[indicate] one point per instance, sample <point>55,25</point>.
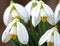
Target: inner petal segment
<point>44,18</point>
<point>13,36</point>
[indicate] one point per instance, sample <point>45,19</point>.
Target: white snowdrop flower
<point>31,5</point>
<point>42,12</point>
<point>15,29</point>
<point>56,38</point>
<point>15,9</point>
<point>48,36</point>
<point>57,13</point>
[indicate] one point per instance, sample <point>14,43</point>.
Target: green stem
<point>40,0</point>
<point>11,1</point>
<point>30,38</point>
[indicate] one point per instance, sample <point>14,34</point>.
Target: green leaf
<point>42,29</point>
<point>31,42</point>
<point>14,43</point>
<point>34,33</point>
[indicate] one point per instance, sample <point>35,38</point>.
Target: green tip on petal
<point>41,2</point>
<point>41,7</point>
<point>52,33</point>
<point>34,4</point>
<point>15,24</point>
<point>11,1</point>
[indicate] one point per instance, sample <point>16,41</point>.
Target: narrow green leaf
<point>42,29</point>
<point>34,33</point>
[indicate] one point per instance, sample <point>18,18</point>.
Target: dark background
<point>5,3</point>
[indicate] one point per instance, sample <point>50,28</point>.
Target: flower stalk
<point>11,1</point>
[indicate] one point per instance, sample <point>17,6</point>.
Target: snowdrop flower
<point>57,12</point>
<point>56,38</point>
<point>48,36</point>
<point>31,5</point>
<point>15,29</point>
<point>11,10</point>
<point>42,12</point>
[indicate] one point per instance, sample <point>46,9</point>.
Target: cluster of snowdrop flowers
<point>52,35</point>
<point>7,17</point>
<point>40,12</point>
<point>15,28</point>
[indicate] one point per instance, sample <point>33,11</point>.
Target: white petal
<point>51,39</point>
<point>9,26</point>
<point>45,36</point>
<point>35,21</point>
<point>50,14</point>
<point>48,10</point>
<point>22,33</point>
<point>14,13</point>
<point>28,7</point>
<point>51,20</point>
<point>35,16</point>
<point>13,30</point>
<point>57,13</point>
<point>43,13</point>
<point>7,16</point>
<point>5,37</point>
<point>36,11</point>
<point>56,38</point>
<point>22,12</point>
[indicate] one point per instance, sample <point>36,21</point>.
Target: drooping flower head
<point>57,12</point>
<point>15,9</point>
<point>15,29</point>
<point>31,5</point>
<point>51,35</point>
<point>42,12</point>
